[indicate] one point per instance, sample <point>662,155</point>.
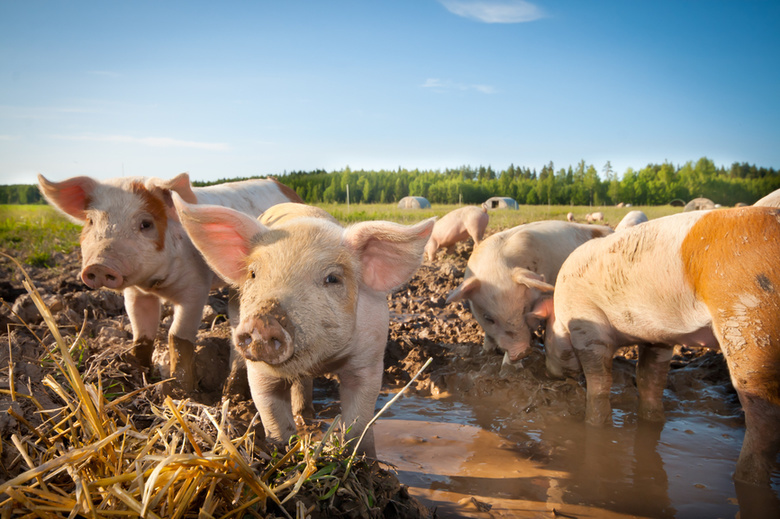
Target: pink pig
<point>313,300</point>
<point>457,226</point>
<point>132,241</point>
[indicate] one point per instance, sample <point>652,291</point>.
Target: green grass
<point>33,233</point>
<point>499,219</point>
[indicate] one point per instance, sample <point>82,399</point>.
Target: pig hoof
<point>142,350</point>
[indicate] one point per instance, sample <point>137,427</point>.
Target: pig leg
<point>595,356</point>
<point>144,312</point>
<point>359,389</point>
<point>181,338</point>
<point>271,396</point>
<point>761,443</point>
<point>302,405</point>
<point>651,373</point>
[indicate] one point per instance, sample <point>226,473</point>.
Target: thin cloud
<point>154,142</point>
<point>447,85</point>
<point>508,11</point>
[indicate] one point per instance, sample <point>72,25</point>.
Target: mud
<point>474,437</point>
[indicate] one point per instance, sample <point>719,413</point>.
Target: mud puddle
<point>464,468</point>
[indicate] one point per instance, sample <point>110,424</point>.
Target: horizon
<point>258,89</point>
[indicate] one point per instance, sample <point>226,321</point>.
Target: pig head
<point>313,300</point>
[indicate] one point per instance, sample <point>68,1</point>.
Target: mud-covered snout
<point>99,275</point>
<point>265,337</point>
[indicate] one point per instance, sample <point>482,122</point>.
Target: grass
<point>34,233</point>
<point>499,219</point>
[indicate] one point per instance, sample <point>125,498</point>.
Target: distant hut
<point>414,202</point>
<point>500,202</point>
<point>677,203</point>
<point>699,204</point>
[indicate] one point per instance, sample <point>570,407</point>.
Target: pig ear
<point>531,279</point>
<point>179,184</point>
<point>389,253</point>
<point>69,196</point>
<point>224,236</point>
<point>543,308</point>
<point>466,289</point>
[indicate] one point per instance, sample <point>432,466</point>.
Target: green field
<point>33,233</point>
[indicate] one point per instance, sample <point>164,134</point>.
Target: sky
<point>237,89</point>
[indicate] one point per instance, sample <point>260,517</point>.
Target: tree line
<point>655,184</point>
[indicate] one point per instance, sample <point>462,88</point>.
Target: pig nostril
<point>110,277</point>
<point>244,339</point>
<point>91,276</point>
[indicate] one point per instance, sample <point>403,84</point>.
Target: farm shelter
<point>500,202</point>
<point>699,204</point>
<point>414,202</point>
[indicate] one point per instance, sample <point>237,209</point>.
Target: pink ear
<point>531,279</point>
<point>389,253</point>
<point>69,196</point>
<point>543,308</point>
<point>179,184</point>
<point>465,290</point>
<point>224,236</point>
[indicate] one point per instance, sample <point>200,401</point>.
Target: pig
<point>631,219</point>
<point>598,216</point>
<point>132,242</point>
<point>570,217</point>
<point>457,226</point>
<point>509,277</point>
<point>699,278</point>
<point>770,200</point>
<point>312,300</point>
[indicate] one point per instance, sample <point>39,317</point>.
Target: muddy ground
<point>422,326</point>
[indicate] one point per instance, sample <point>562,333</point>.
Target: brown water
<point>466,462</point>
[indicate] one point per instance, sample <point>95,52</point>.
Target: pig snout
<point>98,275</point>
<point>263,338</point>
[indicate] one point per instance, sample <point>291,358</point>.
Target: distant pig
<point>509,279</point>
<point>699,278</point>
<point>596,217</point>
<point>631,219</point>
<point>312,300</point>
<point>457,226</point>
<point>132,241</point>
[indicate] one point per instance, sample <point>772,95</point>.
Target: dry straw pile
<point>88,459</point>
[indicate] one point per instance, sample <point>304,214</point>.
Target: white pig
<point>697,278</point>
<point>509,276</point>
<point>631,219</point>
<point>132,241</point>
<point>313,300</point>
<point>770,200</point>
<point>455,226</point>
<point>598,216</point>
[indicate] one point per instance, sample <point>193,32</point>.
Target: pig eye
<point>489,319</point>
<point>332,279</point>
<point>146,225</point>
<point>252,274</point>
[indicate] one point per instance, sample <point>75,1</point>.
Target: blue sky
<point>227,89</point>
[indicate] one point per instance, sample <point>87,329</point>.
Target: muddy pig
<point>313,300</point>
<point>457,226</point>
<point>698,278</point>
<point>132,241</point>
<point>509,276</point>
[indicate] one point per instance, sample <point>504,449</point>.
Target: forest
<point>655,184</point>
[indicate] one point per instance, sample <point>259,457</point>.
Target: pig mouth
<point>258,347</point>
<point>514,355</point>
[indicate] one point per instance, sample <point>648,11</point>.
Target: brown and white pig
<point>133,242</point>
<point>313,300</point>
<point>631,219</point>
<point>697,278</point>
<point>457,226</point>
<point>508,279</point>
